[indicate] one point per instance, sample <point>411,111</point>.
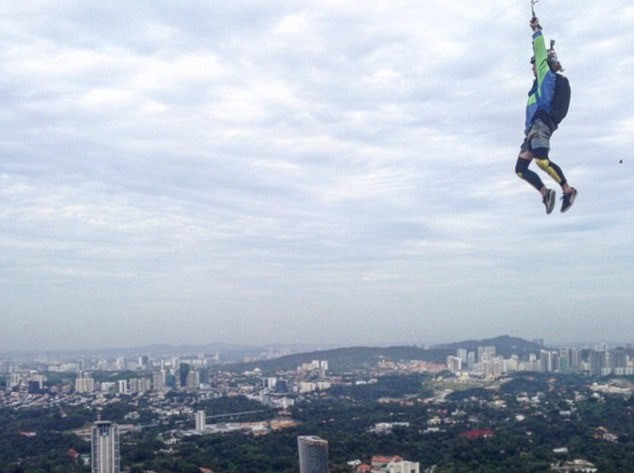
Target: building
<point>323,367</point>
<point>485,353</point>
<point>313,454</point>
<point>192,381</point>
<point>395,464</point>
<point>144,362</point>
<point>269,383</point>
<point>492,367</point>
<point>471,360</point>
<point>158,380</point>
<point>598,363</point>
<point>454,364</point>
<point>139,385</point>
<point>201,422</point>
<point>84,383</point>
<point>183,371</point>
<point>575,466</point>
<point>462,353</point>
<point>549,361</point>
<point>619,361</point>
<point>104,447</point>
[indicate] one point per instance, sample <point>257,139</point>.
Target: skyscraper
<point>313,454</point>
<point>200,421</point>
<point>104,447</point>
<point>183,371</point>
<point>158,380</point>
<point>84,383</point>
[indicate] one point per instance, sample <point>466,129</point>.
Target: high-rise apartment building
<point>84,383</point>
<point>454,364</point>
<point>597,360</point>
<point>485,353</point>
<point>575,358</point>
<point>323,367</point>
<point>462,353</point>
<point>471,360</point>
<point>549,361</point>
<point>183,371</point>
<point>158,380</point>
<point>313,454</point>
<point>201,421</point>
<point>618,361</point>
<point>104,447</point>
<point>193,380</point>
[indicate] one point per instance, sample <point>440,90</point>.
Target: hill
<point>344,359</point>
<point>505,345</point>
<point>353,358</point>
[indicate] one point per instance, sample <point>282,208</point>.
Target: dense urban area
<point>497,405</point>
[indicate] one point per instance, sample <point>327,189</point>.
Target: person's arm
<point>539,50</point>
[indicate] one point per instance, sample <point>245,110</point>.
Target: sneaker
<point>549,200</point>
<point>568,199</point>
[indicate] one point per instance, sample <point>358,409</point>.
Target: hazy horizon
<point>300,347</point>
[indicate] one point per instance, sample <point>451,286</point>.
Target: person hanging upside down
<point>540,126</point>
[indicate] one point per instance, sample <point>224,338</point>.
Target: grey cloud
<point>332,166</point>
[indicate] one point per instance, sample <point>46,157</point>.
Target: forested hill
<point>505,345</point>
<point>352,358</point>
<point>346,359</point>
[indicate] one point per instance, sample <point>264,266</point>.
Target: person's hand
<point>535,24</point>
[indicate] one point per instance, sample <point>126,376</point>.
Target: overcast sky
<point>320,172</point>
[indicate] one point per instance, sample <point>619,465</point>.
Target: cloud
<point>329,166</point>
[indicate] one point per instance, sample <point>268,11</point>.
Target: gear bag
<point>561,99</point>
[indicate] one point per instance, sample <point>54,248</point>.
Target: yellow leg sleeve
<point>544,165</point>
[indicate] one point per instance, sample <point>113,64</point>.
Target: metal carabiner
<point>533,2</point>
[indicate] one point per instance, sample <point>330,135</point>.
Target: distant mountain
<point>339,359</point>
<point>505,345</point>
<point>345,359</point>
<point>352,358</point>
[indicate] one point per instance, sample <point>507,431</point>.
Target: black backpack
<point>561,100</point>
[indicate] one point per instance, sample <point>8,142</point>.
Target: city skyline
<point>190,398</point>
<point>315,173</point>
<point>491,357</point>
<point>426,406</point>
<point>281,349</point>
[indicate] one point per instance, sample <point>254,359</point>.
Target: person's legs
<point>539,145</point>
<point>554,171</point>
<point>521,169</point>
<point>548,195</point>
<point>536,146</point>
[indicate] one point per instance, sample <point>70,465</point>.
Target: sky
<point>327,172</point>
